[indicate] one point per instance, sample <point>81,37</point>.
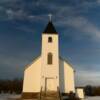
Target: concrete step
<point>53,94</point>
<point>50,96</point>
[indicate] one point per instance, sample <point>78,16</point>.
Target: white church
<point>49,71</point>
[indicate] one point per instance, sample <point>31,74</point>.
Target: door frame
<point>46,82</point>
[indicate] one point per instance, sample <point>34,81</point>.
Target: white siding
<point>32,77</point>
<point>80,93</point>
<point>50,71</point>
<point>66,77</point>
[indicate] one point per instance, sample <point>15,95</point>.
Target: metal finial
<point>50,17</point>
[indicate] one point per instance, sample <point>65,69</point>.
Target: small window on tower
<point>49,58</point>
<point>50,39</point>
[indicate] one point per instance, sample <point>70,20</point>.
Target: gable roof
<point>50,29</point>
<point>67,62</point>
<point>28,65</point>
<point>36,58</point>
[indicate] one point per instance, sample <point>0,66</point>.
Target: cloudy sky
<point>76,21</point>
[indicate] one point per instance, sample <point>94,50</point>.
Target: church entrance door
<point>50,84</point>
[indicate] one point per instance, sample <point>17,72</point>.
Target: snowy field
<point>92,98</point>
<point>5,96</point>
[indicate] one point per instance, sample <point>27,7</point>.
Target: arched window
<point>50,39</point>
<point>49,59</point>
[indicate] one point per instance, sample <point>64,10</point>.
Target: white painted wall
<point>67,83</point>
<point>51,71</point>
<point>32,77</point>
<point>60,73</point>
<point>80,93</point>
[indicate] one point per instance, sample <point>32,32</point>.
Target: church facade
<point>49,71</point>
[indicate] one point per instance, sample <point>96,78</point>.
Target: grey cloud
<point>98,1</point>
<point>87,78</point>
<point>81,24</point>
<point>6,1</point>
<point>20,14</point>
<point>56,7</point>
<point>12,61</point>
<point>26,29</point>
<point>1,8</point>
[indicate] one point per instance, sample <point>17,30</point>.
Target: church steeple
<point>50,58</point>
<point>50,29</point>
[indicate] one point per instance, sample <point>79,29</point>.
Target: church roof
<point>36,58</point>
<point>50,29</point>
<point>67,62</point>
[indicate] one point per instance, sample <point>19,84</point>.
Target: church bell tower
<point>50,58</point>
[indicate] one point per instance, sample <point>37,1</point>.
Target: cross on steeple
<point>50,29</point>
<point>50,17</point>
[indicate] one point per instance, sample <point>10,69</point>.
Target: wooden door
<point>50,84</point>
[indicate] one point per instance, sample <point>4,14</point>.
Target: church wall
<point>66,77</point>
<point>61,76</point>
<point>32,75</point>
<point>53,69</point>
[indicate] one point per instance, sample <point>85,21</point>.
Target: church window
<point>50,39</point>
<point>49,59</point>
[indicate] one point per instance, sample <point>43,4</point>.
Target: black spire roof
<point>50,29</point>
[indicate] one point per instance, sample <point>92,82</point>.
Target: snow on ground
<point>93,98</point>
<point>5,96</point>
